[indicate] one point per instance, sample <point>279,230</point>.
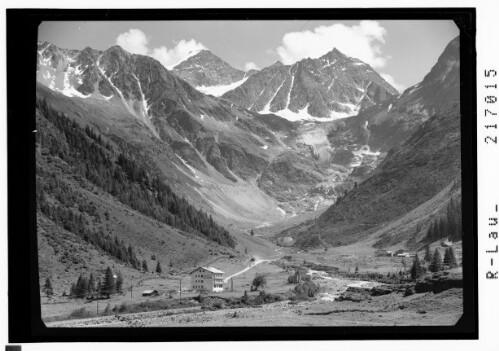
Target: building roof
<point>148,291</point>
<point>209,269</point>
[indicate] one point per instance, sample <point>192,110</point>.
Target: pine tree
<point>356,269</point>
<point>81,287</point>
<point>443,228</point>
<point>144,266</point>
<point>416,269</point>
<point>119,283</point>
<point>436,263</point>
<point>99,286</point>
<point>451,219</point>
<point>47,287</point>
<point>252,232</point>
<point>431,232</point>
<point>91,284</point>
<point>450,258</point>
<point>436,230</point>
<point>72,290</point>
<point>428,257</point>
<point>158,268</point>
<point>108,283</point>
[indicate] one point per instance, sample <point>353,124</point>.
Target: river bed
<point>333,287</point>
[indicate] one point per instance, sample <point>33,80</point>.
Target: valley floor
<point>428,308</point>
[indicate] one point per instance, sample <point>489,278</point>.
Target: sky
<point>403,52</point>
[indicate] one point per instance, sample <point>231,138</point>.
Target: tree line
<point>126,178</point>
<point>449,225</point>
<point>89,287</point>
<point>433,262</point>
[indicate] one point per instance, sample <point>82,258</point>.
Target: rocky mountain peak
<point>447,67</point>
<point>205,69</point>
<point>117,52</point>
<point>329,87</point>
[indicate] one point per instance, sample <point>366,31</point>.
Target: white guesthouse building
<point>207,278</point>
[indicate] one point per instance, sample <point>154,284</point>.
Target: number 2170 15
<point>491,98</point>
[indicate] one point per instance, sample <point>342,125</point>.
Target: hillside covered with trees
<point>123,176</point>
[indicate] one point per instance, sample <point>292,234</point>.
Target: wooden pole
<point>131,290</point>
<point>232,284</point>
<point>180,288</point>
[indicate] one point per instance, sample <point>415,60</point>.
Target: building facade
<point>207,279</point>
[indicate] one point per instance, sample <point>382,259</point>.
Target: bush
<point>202,295</point>
<point>80,313</point>
<point>292,279</point>
<point>307,289</point>
<point>259,281</point>
<point>245,298</point>
<point>219,304</point>
<point>107,311</point>
<point>123,307</point>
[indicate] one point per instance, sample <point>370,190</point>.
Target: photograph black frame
<point>25,323</point>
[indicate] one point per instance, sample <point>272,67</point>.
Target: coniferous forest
<point>449,225</point>
<point>121,175</point>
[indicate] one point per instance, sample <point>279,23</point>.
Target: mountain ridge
<point>331,86</point>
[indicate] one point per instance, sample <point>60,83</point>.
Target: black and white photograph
<point>249,173</point>
<point>203,176</point>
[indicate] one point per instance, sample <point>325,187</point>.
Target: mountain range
<point>326,138</point>
<point>331,86</point>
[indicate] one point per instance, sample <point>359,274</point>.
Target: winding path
<point>257,262</point>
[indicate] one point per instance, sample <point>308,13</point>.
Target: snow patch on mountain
<point>144,101</point>
<point>281,210</point>
<point>219,90</point>
<point>192,169</point>
<point>303,115</point>
<point>288,100</point>
<point>68,88</point>
<point>330,85</point>
<point>266,109</point>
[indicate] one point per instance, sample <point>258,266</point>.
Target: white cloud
<point>180,52</point>
<point>361,41</point>
<point>393,83</point>
<point>250,65</point>
<point>136,42</point>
